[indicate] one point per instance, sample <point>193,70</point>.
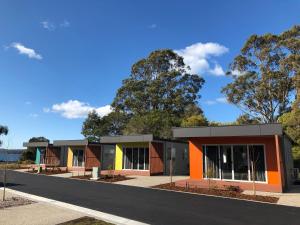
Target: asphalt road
<point>154,206</point>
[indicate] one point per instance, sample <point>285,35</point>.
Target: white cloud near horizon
<point>31,53</point>
<point>152,26</point>
<point>222,100</point>
<point>74,109</point>
<point>50,26</point>
<point>199,57</point>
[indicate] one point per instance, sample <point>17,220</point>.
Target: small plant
<point>233,188</point>
<point>209,174</point>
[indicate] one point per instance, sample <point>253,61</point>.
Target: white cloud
<point>74,109</point>
<point>48,25</point>
<point>28,103</point>
<point>199,55</point>
<point>26,51</point>
<point>33,115</point>
<point>152,26</point>
<point>222,100</point>
<point>66,23</point>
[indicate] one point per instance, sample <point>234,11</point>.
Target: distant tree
<point>3,131</point>
<point>246,119</point>
<point>157,92</point>
<point>95,126</point>
<point>194,121</point>
<point>38,139</point>
<point>291,125</point>
<point>264,75</point>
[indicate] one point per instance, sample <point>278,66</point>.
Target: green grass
<point>86,221</point>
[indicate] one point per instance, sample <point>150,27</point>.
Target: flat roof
<point>229,130</point>
<point>83,142</point>
<point>127,138</point>
<point>36,144</point>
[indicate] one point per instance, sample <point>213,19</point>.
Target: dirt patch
<point>86,221</point>
<point>229,191</point>
<point>14,201</point>
<point>105,178</point>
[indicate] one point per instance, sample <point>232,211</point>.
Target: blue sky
<point>60,59</point>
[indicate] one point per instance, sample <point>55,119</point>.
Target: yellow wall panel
<point>70,157</point>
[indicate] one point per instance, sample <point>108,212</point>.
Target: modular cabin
<point>46,153</point>
<point>147,155</point>
<point>227,155</point>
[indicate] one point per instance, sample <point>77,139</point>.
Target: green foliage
<point>94,126</point>
<point>266,67</point>
<point>38,139</point>
<point>160,82</point>
<point>157,123</point>
<point>3,131</point>
<point>194,121</point>
<point>28,155</point>
<point>246,119</point>
<point>158,94</point>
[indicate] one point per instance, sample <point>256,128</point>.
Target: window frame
<point>204,160</point>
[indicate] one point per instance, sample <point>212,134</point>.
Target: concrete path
<point>291,198</point>
<point>153,206</point>
<point>36,213</point>
<point>147,181</point>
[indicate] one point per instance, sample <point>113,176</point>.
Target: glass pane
<point>240,160</point>
<point>212,157</point>
<point>257,157</point>
<point>226,163</point>
<point>75,158</point>
<point>141,158</point>
<point>204,162</point>
<point>135,158</point>
<point>80,158</point>
<point>129,158</point>
<point>146,158</point>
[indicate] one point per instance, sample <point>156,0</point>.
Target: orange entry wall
<point>274,176</point>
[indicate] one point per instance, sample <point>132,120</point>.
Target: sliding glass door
<point>78,157</point>
<point>234,162</point>
<point>136,158</point>
<point>240,158</point>
<point>226,161</point>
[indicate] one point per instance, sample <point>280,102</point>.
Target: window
<point>234,162</point>
<point>212,162</point>
<point>136,158</point>
<point>240,158</point>
<point>78,158</point>
<point>257,161</point>
<point>226,161</point>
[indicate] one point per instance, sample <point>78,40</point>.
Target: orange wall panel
<point>196,154</point>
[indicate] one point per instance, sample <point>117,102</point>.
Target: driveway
<point>154,206</point>
<point>150,181</point>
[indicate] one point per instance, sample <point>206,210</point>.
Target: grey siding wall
<point>288,161</point>
<point>181,162</point>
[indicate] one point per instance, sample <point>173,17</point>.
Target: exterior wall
<point>119,157</point>
<point>181,161</point>
<point>156,162</point>
<point>37,156</point>
<point>272,149</point>
<point>70,158</point>
<point>92,156</point>
<point>288,161</point>
<point>53,156</point>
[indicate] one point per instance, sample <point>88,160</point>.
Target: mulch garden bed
<point>48,172</point>
<point>105,178</point>
<point>14,201</point>
<point>86,221</point>
<point>228,191</point>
